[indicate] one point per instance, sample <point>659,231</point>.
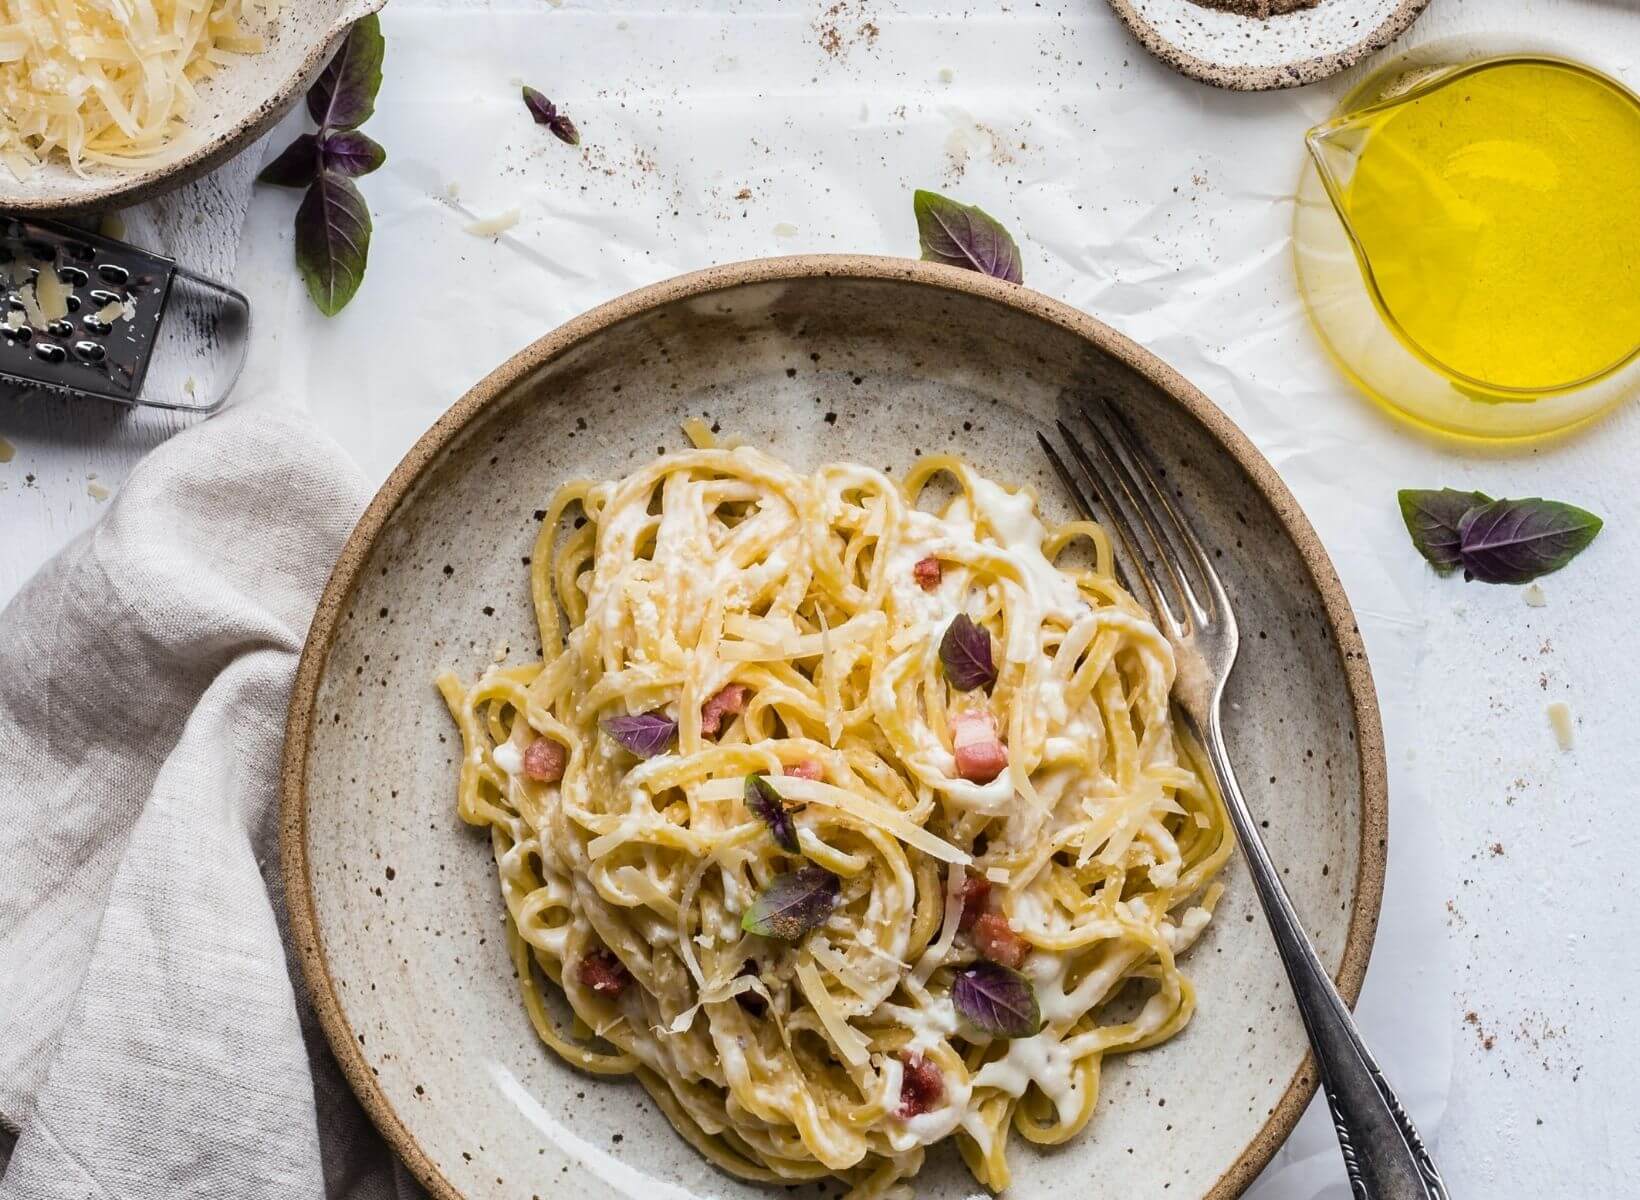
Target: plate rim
<point>1291,74</point>
<point>307,942</point>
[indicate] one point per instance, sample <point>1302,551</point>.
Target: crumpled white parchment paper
<point>715,132</point>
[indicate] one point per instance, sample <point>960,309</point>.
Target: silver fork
<point>1383,1154</point>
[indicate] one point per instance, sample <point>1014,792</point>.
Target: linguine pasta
<point>1047,832</point>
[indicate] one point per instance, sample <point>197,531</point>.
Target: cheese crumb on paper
<point>1560,721</point>
<point>491,226</point>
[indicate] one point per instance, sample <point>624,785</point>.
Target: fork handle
<point>1383,1154</point>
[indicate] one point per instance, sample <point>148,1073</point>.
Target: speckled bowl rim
<point>1374,826</point>
<point>1262,79</point>
<point>122,191</point>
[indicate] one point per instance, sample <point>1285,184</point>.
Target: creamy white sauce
<point>509,758</point>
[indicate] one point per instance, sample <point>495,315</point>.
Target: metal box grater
<point>138,329</point>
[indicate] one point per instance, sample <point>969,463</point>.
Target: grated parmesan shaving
<point>1560,721</point>
<point>53,294</point>
<point>856,1051</point>
<point>112,82</point>
<point>491,226</point>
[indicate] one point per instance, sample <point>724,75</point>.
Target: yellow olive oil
<point>1498,214</point>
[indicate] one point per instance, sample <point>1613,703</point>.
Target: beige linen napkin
<point>151,1041</point>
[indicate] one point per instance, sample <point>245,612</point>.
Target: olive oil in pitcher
<point>1492,212</point>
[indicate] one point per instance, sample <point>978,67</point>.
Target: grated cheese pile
<point>112,82</point>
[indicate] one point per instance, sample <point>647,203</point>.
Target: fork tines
<point>1185,593</point>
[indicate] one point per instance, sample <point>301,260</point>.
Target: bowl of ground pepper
<point>1255,45</point>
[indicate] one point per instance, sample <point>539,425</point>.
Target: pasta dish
<point>848,814</point>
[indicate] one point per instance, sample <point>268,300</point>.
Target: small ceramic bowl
<point>1219,43</point>
<point>239,104</point>
<point>394,904</point>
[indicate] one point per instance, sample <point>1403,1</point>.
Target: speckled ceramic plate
<point>1292,46</point>
<point>394,902</point>
<point>236,106</point>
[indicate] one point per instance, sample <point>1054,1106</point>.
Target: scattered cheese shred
<point>53,294</point>
<point>490,226</point>
<point>1560,720</point>
<point>1534,597</point>
<point>890,820</point>
<point>699,434</point>
<point>31,306</point>
<point>856,1051</point>
<point>112,84</point>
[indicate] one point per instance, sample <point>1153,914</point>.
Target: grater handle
<point>200,347</point>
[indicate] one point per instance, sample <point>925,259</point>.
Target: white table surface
<point>1524,881</point>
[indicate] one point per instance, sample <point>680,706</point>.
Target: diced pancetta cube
<point>922,1087</point>
<point>603,973</point>
<point>544,760</point>
<point>980,754</point>
<point>804,769</point>
<point>976,891</point>
<point>994,939</point>
<point>728,702</point>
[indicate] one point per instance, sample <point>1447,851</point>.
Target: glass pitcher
<point>1414,375</point>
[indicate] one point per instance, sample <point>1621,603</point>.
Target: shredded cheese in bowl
<point>112,82</point>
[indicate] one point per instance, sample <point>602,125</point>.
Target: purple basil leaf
<point>542,109</point>
<point>546,113</point>
<point>332,241</point>
<point>1432,518</point>
<point>965,653</point>
<point>996,1000</point>
<point>1515,541</point>
<point>792,904</point>
<point>766,803</point>
<point>645,734</point>
<point>963,235</point>
<point>564,130</point>
<point>344,95</point>
<point>297,167</point>
<point>351,153</point>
